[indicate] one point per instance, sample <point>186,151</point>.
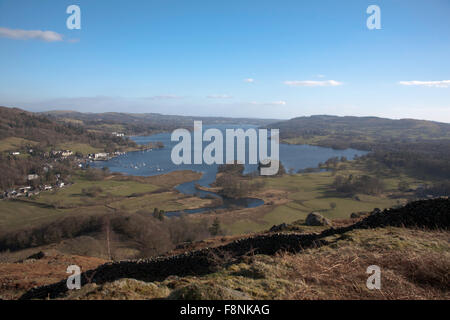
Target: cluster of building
<point>103,155</point>
<point>55,153</point>
<point>62,153</point>
<point>32,189</point>
<point>28,191</point>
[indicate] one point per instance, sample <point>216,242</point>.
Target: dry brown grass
<point>17,278</point>
<point>414,264</point>
<point>410,269</point>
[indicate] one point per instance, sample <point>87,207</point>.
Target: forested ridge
<point>419,146</point>
<point>38,128</point>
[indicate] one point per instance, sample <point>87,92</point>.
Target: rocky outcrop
<point>356,215</point>
<point>316,219</point>
<point>279,227</point>
<point>431,214</point>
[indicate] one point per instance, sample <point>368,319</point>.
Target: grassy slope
<point>14,144</point>
<point>19,214</point>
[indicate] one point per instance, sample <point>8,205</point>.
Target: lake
<point>158,161</point>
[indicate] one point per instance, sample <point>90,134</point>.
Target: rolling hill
<point>32,128</point>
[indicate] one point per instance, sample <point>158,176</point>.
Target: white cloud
<point>320,76</point>
<point>219,96</point>
<point>272,103</point>
<point>249,80</point>
<point>313,83</point>
<point>436,84</point>
<point>48,36</point>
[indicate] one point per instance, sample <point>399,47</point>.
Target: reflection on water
<point>158,161</point>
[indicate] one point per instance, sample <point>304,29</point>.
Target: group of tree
<point>364,184</point>
<point>158,214</point>
<point>142,231</point>
<point>332,162</point>
<point>14,171</point>
<point>437,189</point>
<point>233,183</point>
<point>216,228</point>
<point>231,168</point>
<point>422,148</point>
<point>426,159</point>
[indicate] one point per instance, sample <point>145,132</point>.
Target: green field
<point>83,148</point>
<point>14,144</point>
<point>110,189</point>
<point>293,197</point>
<point>310,192</point>
<point>20,214</point>
<point>124,193</point>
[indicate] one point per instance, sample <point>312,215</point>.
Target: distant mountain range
<point>139,123</point>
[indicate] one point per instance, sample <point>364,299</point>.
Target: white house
<point>32,177</point>
<point>101,155</point>
<point>62,153</point>
<point>66,153</point>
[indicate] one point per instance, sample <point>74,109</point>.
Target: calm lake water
<point>158,161</point>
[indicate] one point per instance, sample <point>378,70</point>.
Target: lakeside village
<point>33,187</point>
<point>32,181</point>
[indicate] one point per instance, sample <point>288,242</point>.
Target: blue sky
<point>193,57</point>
